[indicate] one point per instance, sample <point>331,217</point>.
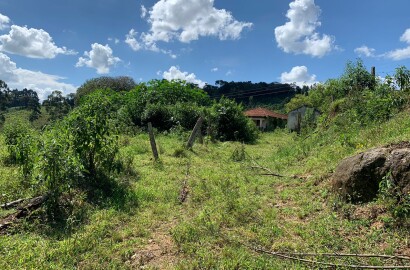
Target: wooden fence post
<point>194,133</point>
<point>152,141</point>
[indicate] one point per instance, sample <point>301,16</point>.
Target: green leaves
<point>228,122</point>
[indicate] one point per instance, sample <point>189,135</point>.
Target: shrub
<point>21,145</point>
<point>159,115</point>
<point>117,84</point>
<point>229,123</point>
<point>59,168</point>
<point>93,135</point>
<point>164,98</point>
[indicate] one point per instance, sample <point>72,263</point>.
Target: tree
<point>91,131</point>
<point>117,84</point>
<point>402,78</point>
<point>356,78</point>
<point>152,102</point>
<point>56,105</point>
<point>228,122</point>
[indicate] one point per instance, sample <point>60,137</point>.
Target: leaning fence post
<point>194,133</point>
<point>152,141</point>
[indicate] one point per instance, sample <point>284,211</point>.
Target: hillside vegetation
<point>110,205</point>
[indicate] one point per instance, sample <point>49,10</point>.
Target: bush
<point>116,84</point>
<point>168,99</point>
<point>229,123</point>
<point>59,168</point>
<point>159,115</point>
<point>21,145</point>
<point>93,135</point>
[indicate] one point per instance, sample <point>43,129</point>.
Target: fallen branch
<point>183,194</point>
<point>11,204</point>
<point>348,255</point>
<point>270,173</point>
<point>22,211</point>
<point>292,257</point>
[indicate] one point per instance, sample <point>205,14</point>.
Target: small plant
<point>239,153</point>
<point>397,201</point>
<point>180,152</point>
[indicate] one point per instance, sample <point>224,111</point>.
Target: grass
<point>228,203</point>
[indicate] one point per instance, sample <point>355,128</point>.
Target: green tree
<point>56,105</point>
<point>117,84</point>
<point>402,77</point>
<point>356,78</point>
<point>228,122</point>
<point>93,135</point>
<point>154,102</point>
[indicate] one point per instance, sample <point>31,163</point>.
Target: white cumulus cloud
<point>132,41</point>
<point>100,57</point>
<point>41,82</point>
<point>400,54</point>
<point>299,35</point>
<point>4,21</point>
<point>365,51</point>
<point>175,74</point>
<point>31,42</point>
<point>187,20</point>
<point>298,75</point>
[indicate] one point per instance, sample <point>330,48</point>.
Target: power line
<point>254,92</point>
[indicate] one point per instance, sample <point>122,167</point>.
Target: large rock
<point>357,178</point>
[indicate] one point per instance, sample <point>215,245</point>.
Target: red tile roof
<point>262,112</point>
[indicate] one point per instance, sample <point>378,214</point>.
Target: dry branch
<point>22,211</point>
<point>270,173</point>
<point>291,256</point>
<point>183,194</point>
<point>12,204</point>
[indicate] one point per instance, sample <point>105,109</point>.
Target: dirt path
<point>160,252</point>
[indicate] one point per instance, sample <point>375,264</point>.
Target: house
<point>265,119</point>
<point>296,117</point>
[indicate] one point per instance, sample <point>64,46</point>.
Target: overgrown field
<point>211,207</point>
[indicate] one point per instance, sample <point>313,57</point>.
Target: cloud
<point>299,34</point>
<point>175,74</point>
<point>298,75</point>
<point>42,83</point>
<point>4,22</point>
<point>131,40</point>
<point>365,51</point>
<point>135,45</point>
<point>30,42</point>
<point>187,20</point>
<point>143,12</point>
<point>400,54</point>
<point>115,40</point>
<point>100,57</point>
<point>215,69</point>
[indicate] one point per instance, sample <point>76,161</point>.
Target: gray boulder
<point>357,178</point>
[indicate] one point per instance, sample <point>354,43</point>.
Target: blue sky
<point>57,45</point>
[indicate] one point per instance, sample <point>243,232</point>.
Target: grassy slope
<point>228,202</point>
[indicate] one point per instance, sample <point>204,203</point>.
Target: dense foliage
<point>26,99</point>
<point>57,105</point>
<point>117,84</point>
<point>254,94</point>
<point>228,123</point>
<point>165,103</point>
<point>356,97</point>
